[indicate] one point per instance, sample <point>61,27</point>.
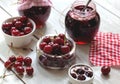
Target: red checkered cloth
<point>105,50</point>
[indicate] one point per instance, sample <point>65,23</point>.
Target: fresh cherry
<point>47,49</point>
<point>65,49</point>
<point>15,32</point>
<point>59,40</point>
<point>47,39</point>
<point>29,24</point>
<point>27,30</point>
<point>105,70</point>
<point>62,36</point>
<point>27,61</point>
<point>23,19</point>
<point>12,58</point>
<point>42,45</point>
<point>20,59</point>
<point>16,64</point>
<point>8,64</point>
<point>20,70</point>
<point>18,26</point>
<point>29,71</point>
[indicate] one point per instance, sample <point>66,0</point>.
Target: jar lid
<point>25,4</point>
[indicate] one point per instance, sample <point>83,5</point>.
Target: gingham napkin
<point>25,4</point>
<point>105,49</point>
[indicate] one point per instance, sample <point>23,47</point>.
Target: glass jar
<point>37,10</point>
<point>82,25</point>
<point>54,61</point>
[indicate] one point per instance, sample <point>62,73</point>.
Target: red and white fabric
<point>105,50</point>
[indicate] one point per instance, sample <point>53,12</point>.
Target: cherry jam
<point>37,13</point>
<point>82,25</point>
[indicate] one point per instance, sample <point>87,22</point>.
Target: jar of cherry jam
<point>37,10</point>
<point>82,24</point>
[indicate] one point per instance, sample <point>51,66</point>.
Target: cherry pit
<point>20,64</point>
<point>18,26</point>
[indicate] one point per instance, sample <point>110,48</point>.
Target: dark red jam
<point>37,13</point>
<point>81,29</point>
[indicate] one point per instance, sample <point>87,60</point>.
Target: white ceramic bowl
<point>73,69</point>
<point>18,41</point>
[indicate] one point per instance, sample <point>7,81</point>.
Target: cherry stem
<point>13,72</point>
<point>5,75</point>
<point>86,5</point>
<point>36,37</point>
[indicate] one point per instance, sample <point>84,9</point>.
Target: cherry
<point>89,73</point>
<point>105,70</point>
<point>62,36</point>
<point>29,71</point>
<point>81,77</point>
<point>23,18</point>
<point>27,61</point>
<point>20,59</point>
<point>14,21</point>
<point>80,71</point>
<point>47,49</point>
<point>27,30</point>
<point>65,49</point>
<point>8,64</point>
<point>16,64</point>
<point>74,75</point>
<point>56,48</point>
<point>42,45</point>
<point>12,28</point>
<point>18,24</point>
<point>29,24</point>
<point>58,40</point>
<point>20,70</point>
<point>7,25</point>
<point>12,58</point>
<point>15,32</point>
<point>47,39</point>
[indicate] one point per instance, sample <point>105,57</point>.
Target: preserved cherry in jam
<point>82,25</point>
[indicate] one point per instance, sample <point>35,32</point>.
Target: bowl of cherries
<point>18,31</point>
<point>80,74</point>
<point>56,51</point>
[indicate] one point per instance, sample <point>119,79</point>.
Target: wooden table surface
<point>109,11</point>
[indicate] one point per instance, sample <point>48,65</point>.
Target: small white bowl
<point>18,41</point>
<point>73,80</point>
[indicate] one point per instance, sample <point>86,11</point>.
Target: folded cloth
<point>105,49</point>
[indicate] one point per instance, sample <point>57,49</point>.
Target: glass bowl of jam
<point>82,24</point>
<point>56,51</point>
